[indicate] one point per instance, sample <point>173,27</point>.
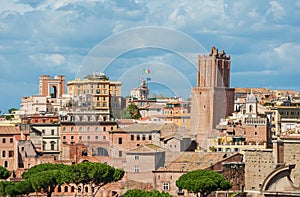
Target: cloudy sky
<point>122,38</point>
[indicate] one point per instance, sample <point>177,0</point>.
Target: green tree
<point>134,111</point>
<point>9,117</point>
<point>125,113</point>
<point>5,187</point>
<point>142,193</point>
<point>96,175</point>
<point>44,177</point>
<point>11,110</point>
<point>203,182</point>
<point>4,173</point>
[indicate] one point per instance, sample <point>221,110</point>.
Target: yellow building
<point>97,91</point>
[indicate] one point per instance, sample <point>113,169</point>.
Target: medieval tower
<point>212,98</point>
<point>54,87</point>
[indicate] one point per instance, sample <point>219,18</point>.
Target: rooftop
<point>189,161</point>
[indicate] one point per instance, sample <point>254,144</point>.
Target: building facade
<point>103,94</point>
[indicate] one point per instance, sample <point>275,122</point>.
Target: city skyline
<point>55,37</point>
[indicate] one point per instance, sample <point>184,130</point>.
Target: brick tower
<point>212,98</point>
<point>54,87</point>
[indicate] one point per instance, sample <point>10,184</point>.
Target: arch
<point>53,91</point>
<point>66,189</point>
<point>279,176</point>
<point>52,145</point>
<point>44,145</point>
<point>72,189</point>
<point>100,151</point>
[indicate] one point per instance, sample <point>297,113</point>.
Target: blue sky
<point>67,37</point>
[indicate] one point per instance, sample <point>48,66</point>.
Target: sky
<point>122,38</point>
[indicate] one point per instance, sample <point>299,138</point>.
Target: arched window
<point>72,189</point>
<point>53,92</point>
<point>6,164</point>
<point>59,189</point>
<point>52,145</point>
<point>44,145</point>
<point>66,189</point>
<point>96,129</point>
<point>86,189</point>
<point>88,129</point>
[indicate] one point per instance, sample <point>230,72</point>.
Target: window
<point>3,153</point>
<point>88,137</point>
<point>11,140</point>
<point>64,129</point>
<point>64,137</point>
<point>150,137</point>
<point>143,137</point>
<point>136,157</point>
<point>72,129</point>
<point>80,129</point>
<point>104,128</point>
<point>120,140</point>
<point>166,186</point>
<point>138,137</point>
<point>72,137</point>
<point>80,137</point>
<point>52,132</point>
<point>120,153</point>
<point>132,137</point>
<point>96,129</point>
<point>104,137</point>
<point>88,129</point>
<point>3,140</point>
<point>52,145</point>
<point>96,137</point>
<point>255,133</point>
<point>5,164</point>
<point>136,169</point>
<point>11,153</point>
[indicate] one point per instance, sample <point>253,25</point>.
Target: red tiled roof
<point>9,130</point>
<point>189,161</point>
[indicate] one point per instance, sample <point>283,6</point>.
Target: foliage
<point>45,177</point>
<point>141,193</point>
<point>94,174</point>
<point>9,117</point>
<point>3,187</point>
<point>203,181</point>
<point>42,167</point>
<point>125,113</point>
<point>134,111</point>
<point>11,110</point>
<point>4,173</point>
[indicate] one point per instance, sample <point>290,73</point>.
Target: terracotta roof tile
<point>147,148</point>
<point>9,130</point>
<point>188,161</point>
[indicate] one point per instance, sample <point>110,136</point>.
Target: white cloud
<point>14,7</point>
<point>276,10</point>
<point>48,59</point>
<point>37,36</point>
